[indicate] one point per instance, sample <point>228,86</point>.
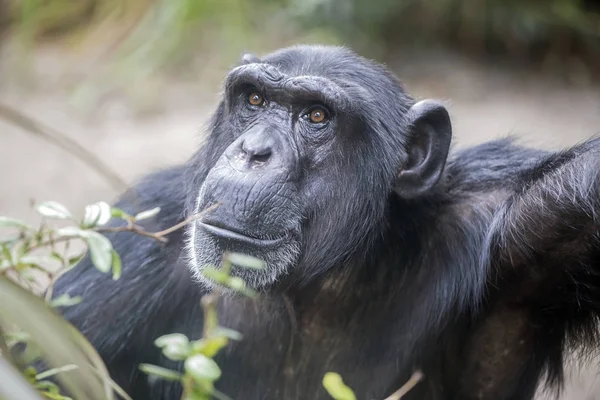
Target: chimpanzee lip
<point>236,235</point>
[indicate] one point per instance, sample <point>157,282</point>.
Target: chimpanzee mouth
<point>231,234</point>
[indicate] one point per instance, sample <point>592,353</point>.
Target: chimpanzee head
<point>304,152</point>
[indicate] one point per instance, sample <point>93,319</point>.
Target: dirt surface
<point>485,102</point>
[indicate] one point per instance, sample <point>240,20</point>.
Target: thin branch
<point>55,275</point>
<point>188,220</point>
<point>131,227</point>
<point>159,236</point>
<point>54,371</point>
<point>118,389</point>
<point>64,142</point>
<point>52,242</point>
<point>134,229</point>
<point>416,377</point>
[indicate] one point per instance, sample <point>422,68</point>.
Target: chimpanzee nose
<point>259,148</point>
<point>257,152</point>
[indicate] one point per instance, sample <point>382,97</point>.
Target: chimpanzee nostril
<point>261,158</point>
<point>257,152</point>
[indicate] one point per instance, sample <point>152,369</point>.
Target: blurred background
<point>133,81</point>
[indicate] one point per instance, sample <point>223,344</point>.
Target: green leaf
<point>55,396</point>
<point>64,300</point>
<point>59,341</point>
<point>202,368</point>
<point>54,210</point>
<point>97,214</point>
<point>51,390</point>
<point>117,265</point>
<point>100,251</point>
<point>13,338</point>
<point>173,338</point>
<point>176,352</point>
<point>215,275</point>
<point>175,346</point>
<point>6,222</point>
<point>245,261</point>
<point>5,264</point>
<point>236,283</point>
<point>161,372</point>
<point>210,347</point>
<point>72,231</point>
<point>38,261</point>
<point>74,260</point>
<point>228,333</point>
<point>334,384</point>
<point>54,371</point>
<point>6,254</point>
<point>221,277</point>
<point>31,354</point>
<point>57,257</point>
<point>147,214</point>
<point>47,387</point>
<point>118,213</point>
<point>30,373</point>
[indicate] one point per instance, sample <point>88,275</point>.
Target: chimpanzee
<point>383,252</point>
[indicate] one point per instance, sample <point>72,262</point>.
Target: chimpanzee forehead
<point>324,61</point>
<point>333,75</point>
<point>281,87</point>
<point>360,77</point>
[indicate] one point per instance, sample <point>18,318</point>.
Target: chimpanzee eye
<point>317,115</point>
<point>255,99</point>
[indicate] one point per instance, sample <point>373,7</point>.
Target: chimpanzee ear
<point>249,58</point>
<point>430,133</point>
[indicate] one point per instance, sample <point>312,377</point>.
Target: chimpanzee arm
<point>122,318</point>
<point>544,279</point>
<point>548,232</point>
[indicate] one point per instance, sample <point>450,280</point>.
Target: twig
<point>134,229</point>
<point>111,383</point>
<point>55,275</point>
<point>131,227</point>
<point>64,142</point>
<point>52,242</point>
<point>416,377</point>
<point>159,236</point>
<point>188,220</point>
<point>54,371</point>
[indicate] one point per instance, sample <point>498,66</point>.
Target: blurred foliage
<point>30,330</point>
<point>524,21</point>
<point>124,45</point>
<point>150,33</point>
<point>548,32</point>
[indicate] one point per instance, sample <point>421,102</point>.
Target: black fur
<point>483,282</point>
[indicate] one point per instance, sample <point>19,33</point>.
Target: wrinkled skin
<point>384,253</point>
<point>283,175</point>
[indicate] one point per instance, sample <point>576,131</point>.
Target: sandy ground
<point>485,102</point>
